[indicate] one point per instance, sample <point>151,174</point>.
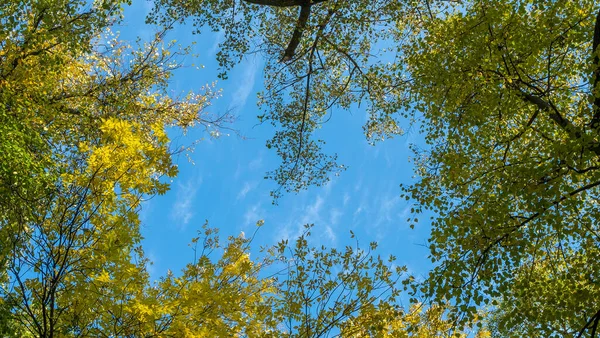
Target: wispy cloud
<point>334,216</point>
<point>405,212</point>
<point>319,212</point>
<point>246,84</point>
<point>358,210</point>
<point>218,38</point>
<point>253,214</point>
<point>364,201</point>
<point>313,211</point>
<point>181,211</point>
<point>380,210</point>
<point>346,199</point>
<point>387,207</point>
<point>256,163</point>
<point>300,216</point>
<point>238,171</point>
<point>330,234</point>
<point>248,186</point>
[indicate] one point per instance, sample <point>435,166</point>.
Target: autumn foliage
<point>504,93</point>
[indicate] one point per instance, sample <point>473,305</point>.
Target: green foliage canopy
<point>319,55</point>
<point>85,117</point>
<point>506,95</point>
<point>509,98</point>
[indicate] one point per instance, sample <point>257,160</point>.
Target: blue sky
<point>225,185</point>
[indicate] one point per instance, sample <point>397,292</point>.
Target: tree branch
<point>594,319</point>
<point>283,3</point>
<point>555,116</point>
<point>305,6</point>
<point>552,113</point>
<point>297,35</point>
<point>277,3</point>
<point>596,76</point>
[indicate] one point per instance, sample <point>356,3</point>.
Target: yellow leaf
<point>104,277</point>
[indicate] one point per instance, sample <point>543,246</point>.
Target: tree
<point>32,39</point>
<point>506,94</point>
<point>323,291</point>
<point>418,321</point>
<point>85,122</point>
<point>319,55</point>
<point>550,280</point>
<point>296,290</point>
<point>508,91</point>
<point>86,117</point>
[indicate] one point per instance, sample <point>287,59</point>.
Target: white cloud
<point>387,205</point>
<point>330,234</point>
<point>218,38</point>
<point>300,216</point>
<point>246,84</point>
<point>346,199</point>
<point>238,171</point>
<point>248,186</point>
<point>405,212</point>
<point>382,210</point>
<point>181,211</point>
<point>256,163</point>
<point>334,216</point>
<point>253,214</point>
<point>312,213</point>
<point>358,210</point>
<point>384,214</point>
<point>324,217</point>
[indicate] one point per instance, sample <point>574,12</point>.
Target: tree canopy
<point>508,93</point>
<point>85,117</point>
<point>319,55</point>
<point>504,92</point>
